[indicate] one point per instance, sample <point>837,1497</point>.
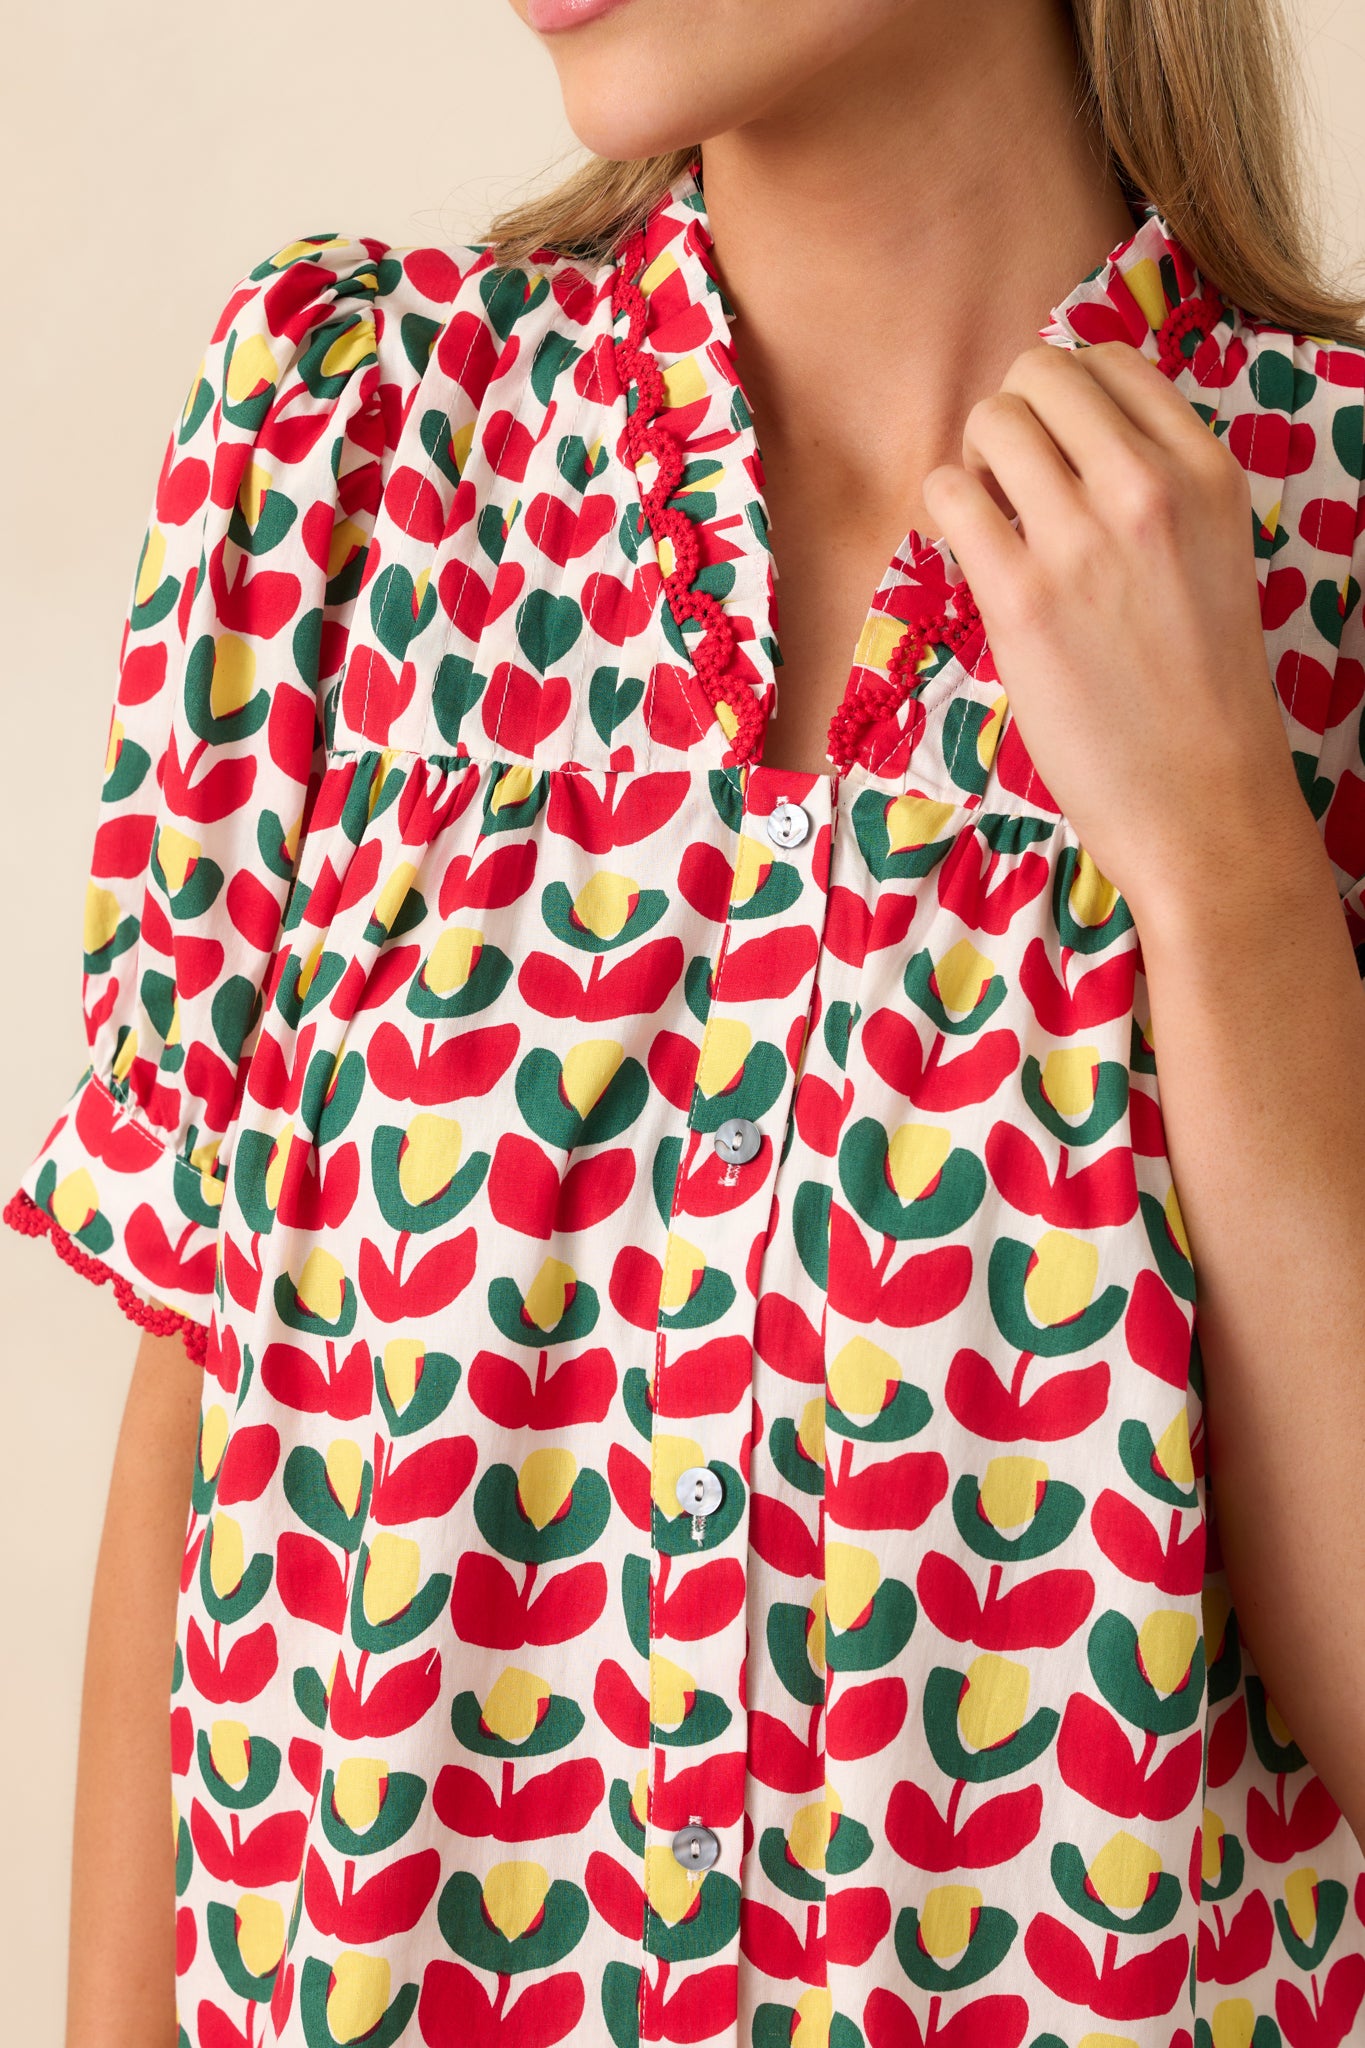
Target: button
<point>695,1847</point>
<point>737,1140</point>
<point>699,1490</point>
<point>788,823</point>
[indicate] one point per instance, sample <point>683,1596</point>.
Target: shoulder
<point>1290,403</point>
<point>329,314</point>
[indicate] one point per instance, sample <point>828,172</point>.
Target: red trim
<point>23,1214</point>
<point>713,656</point>
<point>881,697</point>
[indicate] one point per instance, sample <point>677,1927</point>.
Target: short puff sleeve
<point>216,743</point>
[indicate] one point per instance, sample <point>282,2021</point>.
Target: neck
<point>925,202</point>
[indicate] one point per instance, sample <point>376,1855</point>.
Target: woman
<point>669,1317</point>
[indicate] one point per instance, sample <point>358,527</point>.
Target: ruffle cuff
<point>118,1204</point>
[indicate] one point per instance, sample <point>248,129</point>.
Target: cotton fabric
<point>434,928</point>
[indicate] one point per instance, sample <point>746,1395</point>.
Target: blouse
<point>700,1528</point>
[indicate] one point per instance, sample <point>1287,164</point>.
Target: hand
<point>1123,614</point>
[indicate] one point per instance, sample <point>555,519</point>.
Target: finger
<point>1077,406</point>
<point>1142,395</point>
<point>984,542</point>
<point>1004,437</point>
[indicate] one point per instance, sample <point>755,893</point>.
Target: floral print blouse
<point>700,1528</point>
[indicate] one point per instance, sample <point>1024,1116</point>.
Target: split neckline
<point>692,445</point>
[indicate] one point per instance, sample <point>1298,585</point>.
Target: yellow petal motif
<point>605,905</point>
<point>428,1157</point>
<point>1092,896</point>
<point>1301,1898</point>
<point>1068,1077</point>
<point>512,1708</point>
<point>358,1791</point>
<point>345,1473</point>
<point>671,1691</point>
<point>860,1374</point>
<point>514,1896</point>
<point>153,562</point>
<point>227,1556</point>
<point>252,365</point>
<point>359,1995</point>
<point>945,1925</point>
<point>1173,1449</point>
<point>228,1748</point>
<point>260,1933</point>
<point>1009,1491</point>
<point>588,1071</point>
<point>994,1705</point>
<point>1233,2023</point>
<point>672,1455</point>
<point>1122,1872</point>
<point>852,1576</point>
<point>102,915</point>
<point>915,1157</point>
<point>1061,1279</point>
<point>452,959</point>
<point>962,977</point>
<point>915,821</point>
<point>814,2012</point>
<point>683,1266</point>
<point>401,1364</point>
<point>725,1047</point>
<point>234,675</point>
<point>213,1436</point>
<point>392,1574</point>
<point>545,1482</point>
<point>349,349</point>
<point>671,1890</point>
<point>177,854</point>
<point>322,1285</point>
<point>1166,1644</point>
<point>74,1200</point>
<point>548,1295</point>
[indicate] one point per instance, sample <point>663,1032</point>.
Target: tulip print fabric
<point>697,1326</point>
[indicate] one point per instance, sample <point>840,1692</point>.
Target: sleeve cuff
<point>119,1205</point>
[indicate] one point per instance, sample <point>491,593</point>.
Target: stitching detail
<point>23,1214</point>
<point>659,1341</point>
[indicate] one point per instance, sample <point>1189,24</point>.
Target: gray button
<point>695,1847</point>
<point>737,1140</point>
<point>788,823</point>
<point>699,1490</point>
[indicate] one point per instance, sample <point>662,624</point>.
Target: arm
<point>121,1974</point>
<point>1258,1024</point>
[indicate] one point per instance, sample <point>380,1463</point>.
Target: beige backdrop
<point>150,157</point>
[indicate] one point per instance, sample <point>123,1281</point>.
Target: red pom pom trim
<point>23,1214</point>
<point>713,655</point>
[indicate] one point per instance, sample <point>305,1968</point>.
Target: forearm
<point>121,1973</point>
<point>1258,1026</point>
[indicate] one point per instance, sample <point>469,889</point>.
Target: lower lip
<point>549,16</point>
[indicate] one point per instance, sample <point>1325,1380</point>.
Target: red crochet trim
<point>1188,316</point>
<point>713,656</point>
<point>881,697</point>
<point>23,1214</point>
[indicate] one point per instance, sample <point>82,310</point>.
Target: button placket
<point>701,1395</point>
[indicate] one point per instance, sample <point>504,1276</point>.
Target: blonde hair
<point>1201,106</point>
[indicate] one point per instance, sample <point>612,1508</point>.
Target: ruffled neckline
<point>691,441</point>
